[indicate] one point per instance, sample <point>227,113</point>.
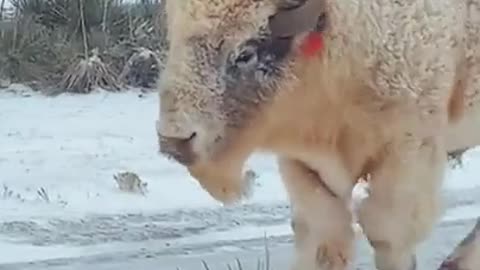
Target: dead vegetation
<point>455,158</point>
<point>50,42</point>
<point>47,42</point>
<point>142,69</point>
<point>89,74</point>
<point>131,183</point>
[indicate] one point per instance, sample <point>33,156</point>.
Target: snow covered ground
<point>70,146</point>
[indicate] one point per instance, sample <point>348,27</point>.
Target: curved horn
<point>300,18</point>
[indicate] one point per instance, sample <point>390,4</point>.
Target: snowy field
<point>70,146</point>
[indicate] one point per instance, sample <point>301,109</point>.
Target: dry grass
<point>455,158</point>
<point>142,69</point>
<point>262,264</point>
<point>130,182</point>
<point>44,36</point>
<point>88,74</point>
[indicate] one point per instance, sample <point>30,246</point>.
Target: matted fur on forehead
<point>192,17</point>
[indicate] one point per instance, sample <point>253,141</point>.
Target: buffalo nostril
<point>192,137</point>
<point>179,149</point>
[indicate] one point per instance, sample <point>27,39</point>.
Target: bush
<point>141,70</point>
<point>88,74</point>
<point>47,37</point>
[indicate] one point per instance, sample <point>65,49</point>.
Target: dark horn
<point>295,20</point>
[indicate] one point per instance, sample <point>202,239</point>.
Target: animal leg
<point>321,221</point>
<point>403,202</point>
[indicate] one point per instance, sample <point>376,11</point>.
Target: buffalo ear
<point>295,17</point>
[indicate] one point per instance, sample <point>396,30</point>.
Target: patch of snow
<point>16,90</point>
<point>15,253</point>
<point>462,213</point>
<point>467,176</point>
<point>360,192</point>
<point>72,145</point>
<point>58,156</point>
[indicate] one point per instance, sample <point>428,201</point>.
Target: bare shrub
<point>130,182</point>
<point>455,158</point>
<point>30,52</point>
<point>86,75</point>
<point>45,38</point>
<point>141,70</point>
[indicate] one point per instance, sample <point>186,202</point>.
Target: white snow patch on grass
<point>16,252</point>
<point>71,146</point>
<point>462,213</point>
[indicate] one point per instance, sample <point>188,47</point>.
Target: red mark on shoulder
<point>312,44</point>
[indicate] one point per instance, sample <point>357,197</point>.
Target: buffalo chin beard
<point>226,184</point>
<point>222,175</point>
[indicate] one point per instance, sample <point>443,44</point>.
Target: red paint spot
<point>312,44</point>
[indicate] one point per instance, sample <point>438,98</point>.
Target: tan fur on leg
<point>323,235</point>
<point>403,204</point>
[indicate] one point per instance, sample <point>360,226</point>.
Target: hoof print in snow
<point>131,183</point>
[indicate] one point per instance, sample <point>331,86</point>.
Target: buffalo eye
<point>258,56</point>
<point>247,56</point>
